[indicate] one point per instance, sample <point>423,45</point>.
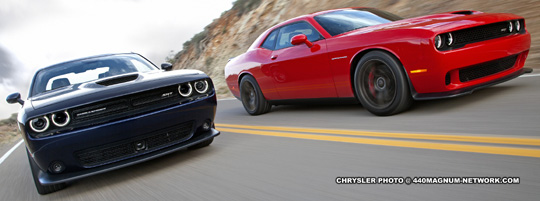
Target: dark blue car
<point>100,113</point>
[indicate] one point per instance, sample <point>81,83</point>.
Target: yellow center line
<point>458,138</point>
<point>398,143</point>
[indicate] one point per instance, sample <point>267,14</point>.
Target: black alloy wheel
<point>252,97</point>
<point>381,85</point>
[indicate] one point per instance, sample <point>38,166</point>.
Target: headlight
<point>510,27</point>
<point>39,124</point>
<point>449,39</point>
<point>185,90</point>
<point>438,41</point>
<point>518,26</point>
<point>60,119</point>
<point>201,86</point>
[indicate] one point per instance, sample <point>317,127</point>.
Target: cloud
<point>6,66</point>
<point>45,32</point>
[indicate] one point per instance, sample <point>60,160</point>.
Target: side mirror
<point>166,66</point>
<point>299,39</point>
<point>14,98</point>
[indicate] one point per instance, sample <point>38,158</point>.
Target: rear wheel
<point>381,85</point>
<point>252,97</point>
<point>42,189</point>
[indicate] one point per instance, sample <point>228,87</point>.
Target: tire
<point>381,86</point>
<point>252,97</point>
<point>202,144</point>
<point>42,189</point>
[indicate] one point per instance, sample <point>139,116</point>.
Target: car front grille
<point>487,68</point>
<point>126,106</point>
<point>117,151</point>
<point>481,33</point>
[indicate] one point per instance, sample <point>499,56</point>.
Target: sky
<point>38,33</point>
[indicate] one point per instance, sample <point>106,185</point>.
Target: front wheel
<point>252,97</point>
<point>381,85</point>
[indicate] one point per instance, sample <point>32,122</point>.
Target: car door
<point>300,72</point>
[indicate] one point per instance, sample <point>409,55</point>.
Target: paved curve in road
<point>296,153</point>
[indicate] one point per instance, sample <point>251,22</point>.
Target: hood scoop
<point>463,12</point>
<point>118,79</point>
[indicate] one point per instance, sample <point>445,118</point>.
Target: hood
<point>107,88</point>
<point>441,23</point>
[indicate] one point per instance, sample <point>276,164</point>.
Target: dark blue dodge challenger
<point>100,113</point>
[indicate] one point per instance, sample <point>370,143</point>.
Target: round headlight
<point>510,27</point>
<point>518,26</point>
<point>438,41</point>
<point>201,86</point>
<point>60,119</point>
<point>39,124</point>
<point>449,39</point>
<point>185,90</point>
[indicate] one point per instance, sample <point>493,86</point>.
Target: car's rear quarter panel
<point>250,63</point>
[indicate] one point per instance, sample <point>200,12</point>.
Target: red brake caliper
<point>371,83</point>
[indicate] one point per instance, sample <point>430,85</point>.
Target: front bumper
<point>471,89</point>
<point>443,68</point>
<point>67,146</point>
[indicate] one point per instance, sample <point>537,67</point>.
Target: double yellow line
<point>488,145</point>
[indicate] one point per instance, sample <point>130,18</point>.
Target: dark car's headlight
<point>201,86</point>
<point>40,124</point>
<point>195,89</point>
<point>60,119</point>
<point>185,89</point>
<point>49,124</point>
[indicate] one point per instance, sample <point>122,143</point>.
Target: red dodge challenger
<point>383,61</point>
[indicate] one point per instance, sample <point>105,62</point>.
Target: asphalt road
<point>251,162</point>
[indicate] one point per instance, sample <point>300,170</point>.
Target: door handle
<point>273,57</point>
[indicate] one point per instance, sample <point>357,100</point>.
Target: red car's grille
<point>113,152</point>
<point>482,33</point>
<point>487,68</point>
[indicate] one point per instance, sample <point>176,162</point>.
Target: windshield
<point>342,21</point>
<point>86,70</point>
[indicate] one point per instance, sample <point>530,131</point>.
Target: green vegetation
<point>241,6</point>
<point>244,6</point>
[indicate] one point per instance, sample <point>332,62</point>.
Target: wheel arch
<point>242,75</point>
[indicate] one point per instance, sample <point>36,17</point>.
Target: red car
<point>380,59</point>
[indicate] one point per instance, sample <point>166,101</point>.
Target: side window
<point>270,41</point>
<point>287,32</point>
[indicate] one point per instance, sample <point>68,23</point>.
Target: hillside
<point>8,130</point>
<point>232,33</point>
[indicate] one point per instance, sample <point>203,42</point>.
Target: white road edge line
<point>10,151</point>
